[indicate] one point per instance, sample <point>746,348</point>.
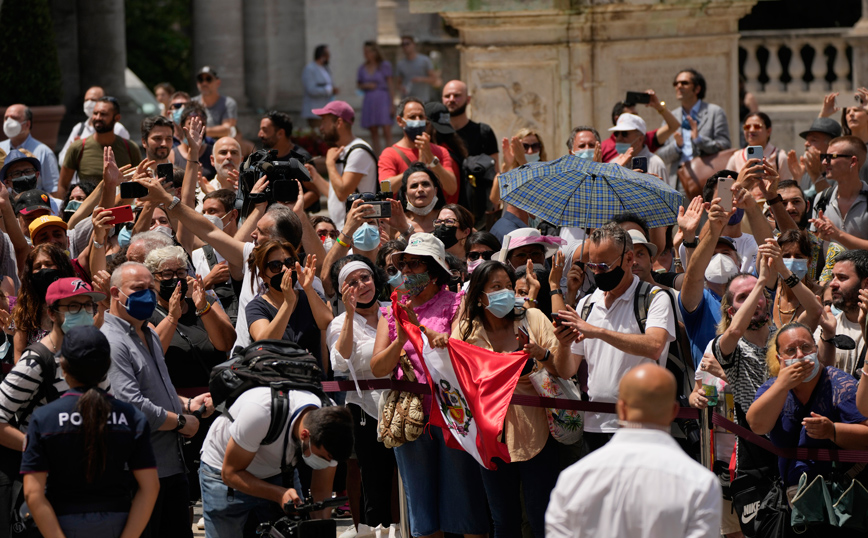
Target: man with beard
<point>795,202</point>
<point>351,163</point>
<point>275,132</point>
<point>849,275</point>
<point>226,159</point>
<point>85,156</point>
<point>157,132</point>
<point>478,137</point>
<point>84,129</point>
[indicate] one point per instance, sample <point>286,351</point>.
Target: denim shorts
<point>443,487</point>
<point>90,524</point>
<point>225,511</point>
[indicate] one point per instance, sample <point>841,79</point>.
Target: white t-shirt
<point>846,359</point>
<point>252,413</point>
<point>200,263</point>
<point>607,364</point>
<point>360,162</point>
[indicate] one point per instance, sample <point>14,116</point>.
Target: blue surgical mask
<point>176,115</point>
<point>141,304</point>
<point>72,206</point>
<point>532,157</point>
<point>799,266</point>
<point>414,128</point>
<point>812,358</point>
<point>124,236</point>
<point>415,283</point>
<point>366,237</point>
<point>501,303</point>
<point>82,318</point>
<point>397,280</point>
<point>586,154</point>
<point>519,301</point>
<point>736,217</point>
<point>622,147</point>
<point>836,311</point>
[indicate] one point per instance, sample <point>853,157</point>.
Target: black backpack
<point>279,364</point>
<point>478,176</point>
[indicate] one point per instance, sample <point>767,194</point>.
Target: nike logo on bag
<point>750,512</point>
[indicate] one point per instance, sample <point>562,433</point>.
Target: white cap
<point>422,244</point>
<point>639,239</point>
<point>630,122</point>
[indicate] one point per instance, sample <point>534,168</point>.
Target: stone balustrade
<point>797,65</point>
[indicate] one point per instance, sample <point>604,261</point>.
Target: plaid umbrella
<point>571,191</point>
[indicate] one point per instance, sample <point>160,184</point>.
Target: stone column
<point>552,65</point>
<point>218,41</point>
<point>102,47</point>
<point>858,39</point>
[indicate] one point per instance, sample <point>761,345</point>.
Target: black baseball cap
<point>438,115</point>
<point>207,70</point>
<point>85,347</point>
<point>32,200</point>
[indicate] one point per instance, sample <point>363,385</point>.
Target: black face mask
<point>167,288</point>
<point>275,281</point>
<point>609,281</point>
<point>42,279</point>
<point>24,183</point>
<point>447,234</point>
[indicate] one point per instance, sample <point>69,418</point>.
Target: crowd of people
<point>759,294</point>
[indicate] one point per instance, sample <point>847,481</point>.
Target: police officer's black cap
<point>85,344</point>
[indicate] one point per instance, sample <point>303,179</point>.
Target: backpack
<point>370,152</point>
<point>225,291</point>
<point>279,364</point>
<point>478,171</point>
<point>679,359</point>
<point>45,358</point>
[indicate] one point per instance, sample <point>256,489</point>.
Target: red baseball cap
<point>65,288</point>
<point>340,109</point>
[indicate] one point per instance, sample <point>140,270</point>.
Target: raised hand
<point>829,107</point>
<point>195,133</point>
<point>690,217</point>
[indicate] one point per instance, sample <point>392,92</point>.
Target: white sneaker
<point>201,524</point>
<point>349,533</point>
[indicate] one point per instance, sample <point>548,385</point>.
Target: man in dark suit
<point>704,128</point>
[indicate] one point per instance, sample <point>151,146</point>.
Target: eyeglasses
<point>205,79</point>
<point>621,134</point>
<point>603,267</point>
<point>830,156</point>
<point>485,255</point>
<point>364,279</point>
<point>536,146</point>
<point>330,233</point>
<point>391,270</point>
<point>169,274</point>
<point>75,308</point>
<point>447,222</point>
<point>791,351</point>
<point>681,83</point>
<point>21,173</point>
<point>178,105</point>
<point>275,265</point>
<point>410,264</point>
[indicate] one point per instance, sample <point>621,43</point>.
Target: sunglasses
<point>621,134</point>
<point>681,83</point>
<point>485,255</point>
<point>276,265</point>
<point>391,270</point>
<point>205,79</point>
<point>536,146</point>
<point>178,105</point>
<point>831,156</point>
<point>327,233</point>
<point>410,264</point>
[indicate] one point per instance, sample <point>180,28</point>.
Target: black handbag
<point>761,505</point>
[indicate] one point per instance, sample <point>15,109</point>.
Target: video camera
<point>281,175</point>
<point>380,201</point>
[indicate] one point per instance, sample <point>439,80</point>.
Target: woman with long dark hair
<point>89,443</point>
<point>421,196</point>
<point>45,264</point>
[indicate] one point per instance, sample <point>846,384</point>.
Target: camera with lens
<point>281,176</point>
<point>380,201</point>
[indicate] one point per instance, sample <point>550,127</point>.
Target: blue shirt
<point>48,174</point>
<point>138,375</point>
<point>687,132</point>
<point>55,444</point>
<point>701,324</point>
<point>834,397</point>
<point>506,224</point>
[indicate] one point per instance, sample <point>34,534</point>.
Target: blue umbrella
<point>571,191</point>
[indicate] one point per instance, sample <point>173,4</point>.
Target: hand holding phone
<point>131,189</point>
<point>638,98</point>
<point>556,319</point>
<point>121,214</point>
<point>724,192</point>
<point>640,163</point>
<point>523,337</point>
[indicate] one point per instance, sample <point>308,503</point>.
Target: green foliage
<point>158,41</point>
<point>29,69</point>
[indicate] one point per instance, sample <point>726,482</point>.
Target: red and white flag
<point>472,388</point>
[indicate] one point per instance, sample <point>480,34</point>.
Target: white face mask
<point>328,244</point>
<point>215,220</point>
<point>422,211</point>
<point>720,269</point>
<point>315,461</point>
<point>532,157</point>
<point>88,107</point>
<point>11,127</point>
<point>812,358</point>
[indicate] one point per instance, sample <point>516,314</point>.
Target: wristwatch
<point>434,162</point>
<point>98,245</point>
<point>557,291</point>
<point>175,201</point>
<point>775,200</point>
<point>182,421</point>
<point>691,244</point>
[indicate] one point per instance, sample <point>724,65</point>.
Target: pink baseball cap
<point>340,109</point>
<point>65,288</point>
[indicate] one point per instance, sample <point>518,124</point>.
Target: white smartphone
<point>724,192</point>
